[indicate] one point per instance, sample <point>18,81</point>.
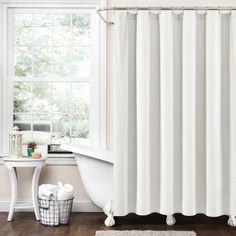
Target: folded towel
<point>49,210</point>
<point>48,191</point>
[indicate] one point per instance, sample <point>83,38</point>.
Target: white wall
<point>52,174</point>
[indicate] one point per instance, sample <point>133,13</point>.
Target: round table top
<point>23,159</point>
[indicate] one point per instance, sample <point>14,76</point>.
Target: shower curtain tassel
<point>170,220</point>
<point>232,221</point>
<point>109,211</point>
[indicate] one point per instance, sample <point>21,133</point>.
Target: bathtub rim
<point>89,151</point>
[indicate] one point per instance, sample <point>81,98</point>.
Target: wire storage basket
<point>55,212</point>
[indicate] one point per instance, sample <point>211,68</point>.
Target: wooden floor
<point>86,224</point>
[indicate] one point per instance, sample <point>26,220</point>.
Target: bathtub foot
<point>232,221</point>
<point>109,211</point>
<point>170,220</point>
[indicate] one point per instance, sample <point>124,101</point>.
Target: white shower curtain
<point>175,112</point>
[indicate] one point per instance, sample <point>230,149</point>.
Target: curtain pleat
<point>225,108</point>
<point>232,172</point>
<point>174,112</point>
<point>167,112</point>
<point>189,113</point>
<point>200,112</point>
<point>177,100</point>
<point>125,132</point>
<point>148,112</point>
<point>213,114</point>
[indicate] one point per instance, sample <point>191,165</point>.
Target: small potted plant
<point>30,148</point>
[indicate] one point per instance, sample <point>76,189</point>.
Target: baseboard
<point>78,206</point>
<point>85,206</point>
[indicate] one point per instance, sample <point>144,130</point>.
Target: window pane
<point>80,126</point>
<point>61,61</point>
<point>21,96</point>
<point>42,36</point>
<point>23,20</point>
<point>81,30</point>
<point>24,124</point>
<point>61,124</point>
<point>23,61</point>
<point>42,19</point>
<point>23,29</point>
<point>61,97</point>
<point>80,97</point>
<point>42,61</point>
<point>41,129</point>
<point>41,97</point>
<point>23,36</point>
<point>61,29</point>
<point>80,61</point>
<point>19,118</point>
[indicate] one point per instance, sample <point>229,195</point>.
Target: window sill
<point>60,160</point>
<point>54,160</point>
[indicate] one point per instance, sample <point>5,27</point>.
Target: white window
<point>53,74</point>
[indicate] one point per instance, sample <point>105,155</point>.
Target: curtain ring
<point>227,11</point>
<point>198,11</point>
<point>172,10</point>
<point>149,10</point>
<point>203,10</point>
<point>182,11</point>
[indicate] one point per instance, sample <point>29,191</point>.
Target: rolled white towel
<point>68,188</point>
<point>65,192</point>
<point>62,196</point>
<point>48,191</point>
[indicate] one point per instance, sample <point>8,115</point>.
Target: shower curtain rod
<point>100,10</point>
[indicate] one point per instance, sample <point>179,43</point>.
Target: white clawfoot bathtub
<point>96,170</point>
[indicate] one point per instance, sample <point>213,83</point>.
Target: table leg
<point>35,181</point>
<point>13,181</point>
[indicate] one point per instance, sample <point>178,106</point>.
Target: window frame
<point>6,100</point>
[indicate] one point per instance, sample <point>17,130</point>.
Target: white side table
<point>12,164</point>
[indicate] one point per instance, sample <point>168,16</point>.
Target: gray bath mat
<point>144,233</point>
